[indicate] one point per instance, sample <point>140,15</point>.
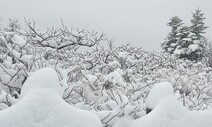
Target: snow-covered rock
<point>41,105</point>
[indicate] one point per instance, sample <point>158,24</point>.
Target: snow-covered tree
<point>197,23</point>
<point>13,26</point>
<point>189,46</point>
<point>186,42</point>
<point>113,82</point>
<point>170,43</point>
<point>207,58</point>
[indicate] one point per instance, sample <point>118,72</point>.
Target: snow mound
<point>41,105</point>
<point>167,113</point>
<point>197,119</point>
<point>170,113</point>
<point>157,93</point>
<point>45,78</point>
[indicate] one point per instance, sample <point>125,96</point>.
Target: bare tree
<point>59,38</point>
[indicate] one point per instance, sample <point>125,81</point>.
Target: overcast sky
<point>139,22</point>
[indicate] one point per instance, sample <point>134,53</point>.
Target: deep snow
<point>169,112</point>
<point>157,93</point>
<point>41,105</point>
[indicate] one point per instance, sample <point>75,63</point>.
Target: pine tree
<point>170,43</point>
<point>186,42</point>
<point>197,23</point>
<point>188,46</point>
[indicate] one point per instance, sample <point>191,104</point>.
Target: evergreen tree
<point>186,42</point>
<point>170,43</point>
<point>188,46</point>
<point>197,23</point>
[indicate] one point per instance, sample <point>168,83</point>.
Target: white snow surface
<point>46,79</point>
<point>41,105</point>
<point>157,93</point>
<point>116,79</point>
<point>18,40</point>
<point>169,113</point>
<point>178,51</point>
<point>193,47</point>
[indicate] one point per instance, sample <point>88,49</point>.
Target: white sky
<point>139,22</point>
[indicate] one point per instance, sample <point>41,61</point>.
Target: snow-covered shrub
<point>112,82</point>
<point>15,61</point>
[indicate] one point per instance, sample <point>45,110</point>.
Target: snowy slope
<point>41,105</point>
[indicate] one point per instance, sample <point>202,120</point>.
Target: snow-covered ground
<point>117,85</point>
<point>169,112</point>
<point>41,105</point>
<point>158,93</point>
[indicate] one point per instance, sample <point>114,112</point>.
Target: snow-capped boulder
<point>41,105</point>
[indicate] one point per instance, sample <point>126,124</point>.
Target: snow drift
<point>41,105</point>
<point>168,112</point>
<point>157,93</point>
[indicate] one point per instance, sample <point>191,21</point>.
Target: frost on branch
<point>59,38</point>
<point>112,82</point>
<point>41,104</point>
